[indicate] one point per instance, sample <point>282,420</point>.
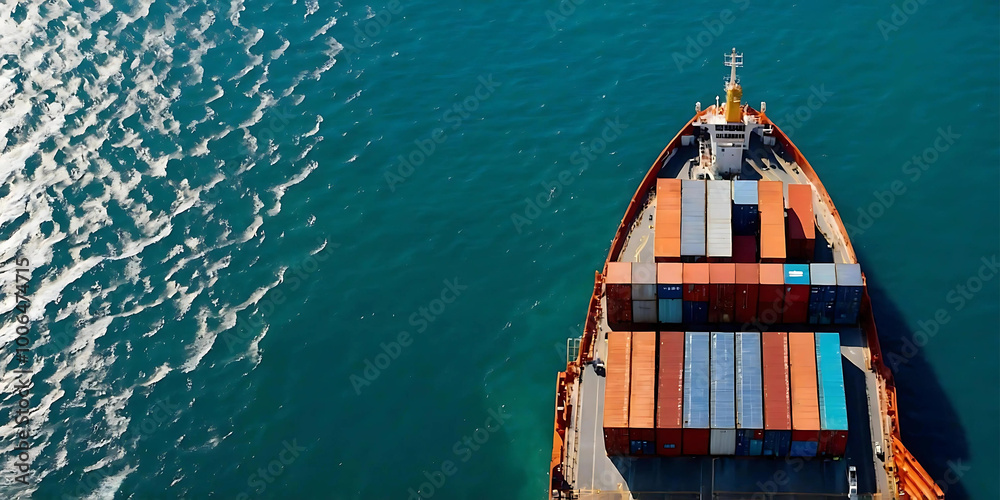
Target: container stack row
<point>725,393</point>
<point>648,294</point>
<point>733,221</point>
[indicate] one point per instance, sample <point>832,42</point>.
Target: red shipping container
<point>616,393</point>
<point>696,441</point>
<point>771,298</point>
<point>796,304</point>
<point>777,385</point>
<point>642,401</point>
<point>619,302</point>
<point>746,294</point>
<point>696,280</point>
<point>722,279</point>
<point>670,395</point>
<point>805,392</point>
<point>745,249</point>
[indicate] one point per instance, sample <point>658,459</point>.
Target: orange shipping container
<point>616,393</point>
<point>801,224</point>
<point>667,228</point>
<point>805,393</point>
<point>772,220</point>
<point>642,402</point>
<point>670,394</point>
<point>777,395</point>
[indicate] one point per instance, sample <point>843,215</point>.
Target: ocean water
<point>333,250</point>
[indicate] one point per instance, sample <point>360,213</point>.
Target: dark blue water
<point>323,250</point>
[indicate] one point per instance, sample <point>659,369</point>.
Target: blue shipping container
<point>695,312</point>
<point>671,310</point>
<point>804,448</point>
<point>749,389</point>
<point>849,293</point>
<point>796,274</point>
<point>756,447</point>
<point>822,293</point>
<point>669,291</point>
<point>830,378</point>
<point>746,220</point>
<point>696,380</point>
<point>776,443</point>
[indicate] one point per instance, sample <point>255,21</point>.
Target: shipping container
<point>832,397</point>
<point>771,300</point>
<point>746,220</point>
<point>746,294</point>
<point>644,311</point>
<point>616,392</point>
<point>805,394</point>
<point>723,394</point>
<point>722,287</point>
<point>772,221</point>
<point>801,224</point>
<point>749,395</point>
<point>643,281</point>
<point>720,219</point>
<point>777,394</point>
<point>849,291</point>
<point>694,312</point>
<point>642,400</point>
<point>670,311</point>
<point>618,288</point>
<point>696,409</point>
<point>693,218</point>
<point>796,293</point>
<point>745,249</point>
<point>670,279</point>
<point>670,394</point>
<point>667,226</point>
<point>696,281</point>
<point>822,293</point>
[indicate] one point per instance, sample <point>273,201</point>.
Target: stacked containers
<point>721,300</point>
<point>697,429</point>
<point>749,395</point>
<point>693,218</point>
<point>744,249</point>
<point>777,395</point>
<point>801,225</point>
<point>772,221</point>
<point>720,219</point>
<point>772,293</point>
<point>670,394</point>
<point>642,401</point>
<point>822,293</point>
<point>618,287</point>
<point>696,292</point>
<point>667,228</point>
<point>616,393</point>
<point>849,291</point>
<point>723,394</point>
<point>796,293</point>
<point>805,394</point>
<point>832,399</point>
<point>669,292</point>
<point>746,293</point>
<point>644,292</point>
<point>745,213</point>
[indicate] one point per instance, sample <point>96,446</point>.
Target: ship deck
<point>594,475</point>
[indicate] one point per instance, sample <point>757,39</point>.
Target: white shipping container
<point>722,442</point>
<point>720,219</point>
<point>643,292</point>
<point>693,218</point>
<point>745,193</point>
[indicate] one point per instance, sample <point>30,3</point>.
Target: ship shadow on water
<point>929,424</point>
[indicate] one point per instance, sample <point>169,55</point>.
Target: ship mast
<point>733,90</point>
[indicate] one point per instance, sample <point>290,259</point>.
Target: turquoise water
<point>232,270</point>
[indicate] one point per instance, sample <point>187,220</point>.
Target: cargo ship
<point>730,349</point>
